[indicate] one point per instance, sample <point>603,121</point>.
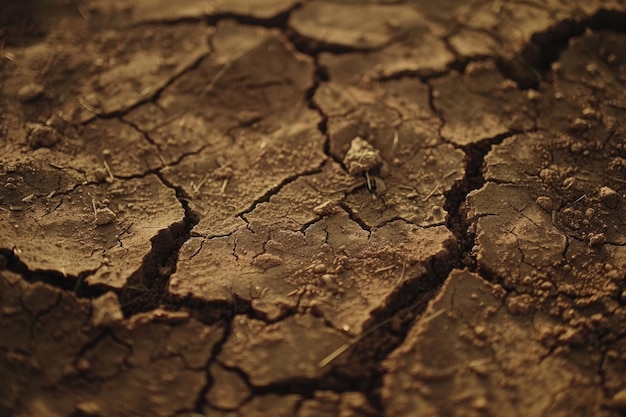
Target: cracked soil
<point>312,208</point>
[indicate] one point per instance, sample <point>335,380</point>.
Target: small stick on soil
<point>434,190</point>
<point>396,139</point>
<point>224,185</point>
<point>167,121</point>
<point>79,282</point>
<point>193,202</point>
<point>617,179</point>
<point>89,107</point>
<point>341,349</point>
<point>582,197</point>
<point>108,169</point>
<point>83,11</point>
<point>196,187</point>
<point>402,273</point>
<point>370,184</point>
<point>165,164</point>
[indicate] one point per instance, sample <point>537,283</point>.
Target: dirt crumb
<point>106,310</point>
<point>104,216</point>
<point>30,92</point>
<point>361,157</point>
<point>609,197</point>
<point>267,260</point>
<point>88,409</point>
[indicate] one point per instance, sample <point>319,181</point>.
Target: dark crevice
<point>157,147</point>
<point>433,107</point>
<point>278,21</point>
<point>314,47</point>
<point>321,75</point>
<point>456,221</point>
<point>146,287</point>
<point>211,312</point>
<point>458,65</point>
<point>307,46</point>
<point>359,369</point>
<point>533,64</point>
<point>10,261</point>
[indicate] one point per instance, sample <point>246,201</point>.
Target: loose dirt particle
<point>609,197</point>
<point>267,260</point>
<point>619,400</point>
<point>104,216</point>
<point>88,409</point>
<point>30,91</point>
<point>597,239</point>
<point>43,137</point>
<point>106,310</point>
<point>361,157</point>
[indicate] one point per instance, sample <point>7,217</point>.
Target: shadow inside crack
<point>533,64</point>
<point>10,261</point>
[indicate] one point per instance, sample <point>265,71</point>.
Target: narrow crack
<point>277,188</point>
<point>200,402</point>
<point>355,218</point>
<point>278,21</point>
<point>153,97</point>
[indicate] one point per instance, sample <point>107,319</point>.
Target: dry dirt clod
<point>106,310</point>
<point>597,239</point>
<point>361,157</point>
<point>30,92</point>
<point>619,400</point>
<point>609,197</point>
<point>104,216</point>
<point>43,137</point>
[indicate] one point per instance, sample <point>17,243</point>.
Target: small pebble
<point>104,216</point>
<point>609,197</point>
<point>361,157</point>
<point>597,239</point>
<point>88,408</point>
<point>30,92</point>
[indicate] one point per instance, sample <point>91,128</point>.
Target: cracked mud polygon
<point>312,208</point>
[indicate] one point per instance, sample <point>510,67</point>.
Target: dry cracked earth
<point>313,208</point>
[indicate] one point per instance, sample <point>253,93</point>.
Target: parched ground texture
<point>313,208</point>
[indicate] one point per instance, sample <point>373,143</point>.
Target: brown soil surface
<point>312,208</point>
